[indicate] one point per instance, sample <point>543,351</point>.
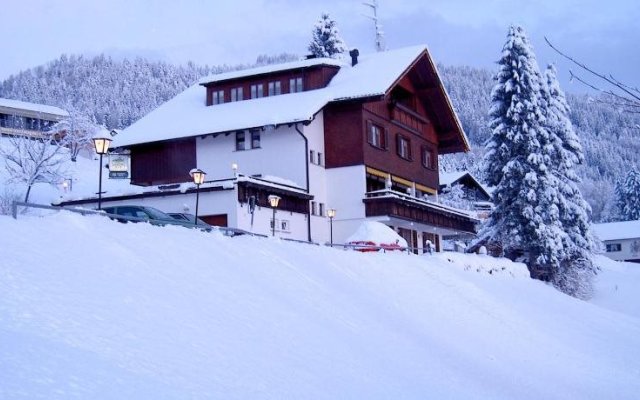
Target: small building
<point>20,118</point>
<point>359,137</point>
<point>475,193</point>
<point>621,240</point>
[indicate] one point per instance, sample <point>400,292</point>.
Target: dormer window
<point>275,88</point>
<point>217,97</point>
<point>257,91</point>
<point>236,94</point>
<point>295,85</point>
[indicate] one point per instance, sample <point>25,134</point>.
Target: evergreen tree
<point>326,41</point>
<point>576,269</point>
<point>628,196</point>
<point>518,161</point>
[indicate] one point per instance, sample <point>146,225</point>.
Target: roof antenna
<point>379,33</point>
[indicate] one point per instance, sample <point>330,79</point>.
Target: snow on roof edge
<point>35,107</point>
<point>266,69</point>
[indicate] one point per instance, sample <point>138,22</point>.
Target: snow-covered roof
<point>448,178</point>
<point>618,230</point>
<point>187,115</point>
<point>40,108</point>
<point>267,69</point>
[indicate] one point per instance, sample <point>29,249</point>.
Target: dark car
<point>139,213</point>
<point>189,218</point>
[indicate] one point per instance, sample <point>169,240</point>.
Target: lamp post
<point>273,202</point>
<point>198,178</point>
<point>101,144</point>
<point>234,167</point>
<point>331,213</point>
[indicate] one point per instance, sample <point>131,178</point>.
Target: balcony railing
<point>400,205</point>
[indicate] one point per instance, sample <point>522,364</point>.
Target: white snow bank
<point>95,309</point>
<point>618,286</point>
<point>376,232</point>
<point>484,264</point>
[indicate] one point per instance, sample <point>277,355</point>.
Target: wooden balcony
<point>399,205</point>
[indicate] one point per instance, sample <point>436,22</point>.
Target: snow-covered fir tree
<point>326,41</point>
<point>628,196</point>
<point>576,269</point>
<point>519,164</point>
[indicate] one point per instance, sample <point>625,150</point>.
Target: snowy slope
<point>91,308</point>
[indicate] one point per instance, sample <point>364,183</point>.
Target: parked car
<point>141,213</point>
<point>190,218</point>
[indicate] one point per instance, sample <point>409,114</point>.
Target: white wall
<point>345,193</point>
<point>281,154</point>
<point>262,222</point>
<point>626,252</point>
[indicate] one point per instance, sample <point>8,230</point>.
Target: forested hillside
<point>118,92</point>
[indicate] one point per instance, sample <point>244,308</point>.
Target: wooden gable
<point>421,78</point>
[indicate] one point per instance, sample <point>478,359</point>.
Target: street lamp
<point>234,167</point>
<point>331,213</point>
<point>273,202</point>
<point>198,178</point>
<point>101,143</point>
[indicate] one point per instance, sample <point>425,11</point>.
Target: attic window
<point>257,91</point>
<point>236,94</point>
<point>295,85</point>
<point>217,97</point>
<point>275,88</point>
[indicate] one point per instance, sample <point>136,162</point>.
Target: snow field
<point>91,308</point>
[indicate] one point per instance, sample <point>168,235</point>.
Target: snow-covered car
<point>375,236</point>
<point>190,218</point>
<point>138,214</point>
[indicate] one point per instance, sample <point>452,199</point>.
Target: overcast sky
<point>460,32</point>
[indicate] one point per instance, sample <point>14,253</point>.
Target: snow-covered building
<point>20,118</point>
<point>474,192</point>
<point>361,137</point>
<point>621,240</point>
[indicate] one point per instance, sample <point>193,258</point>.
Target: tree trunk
<point>26,196</point>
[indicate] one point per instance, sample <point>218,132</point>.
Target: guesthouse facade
<point>360,137</point>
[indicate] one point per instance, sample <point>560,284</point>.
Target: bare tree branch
<point>630,95</point>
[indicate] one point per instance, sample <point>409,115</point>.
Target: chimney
<point>354,56</point>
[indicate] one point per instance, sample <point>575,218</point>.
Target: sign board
<point>119,166</point>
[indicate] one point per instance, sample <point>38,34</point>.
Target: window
<point>320,159</point>
<point>613,247</point>
<point>376,135</point>
<point>284,225</point>
<point>295,85</point>
<point>217,97</point>
<point>237,94</point>
<point>312,156</point>
<point>257,91</point>
<point>428,158</point>
<point>321,209</point>
<point>404,147</point>
<point>240,141</point>
<point>255,139</point>
<point>274,88</point>
<point>314,208</point>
